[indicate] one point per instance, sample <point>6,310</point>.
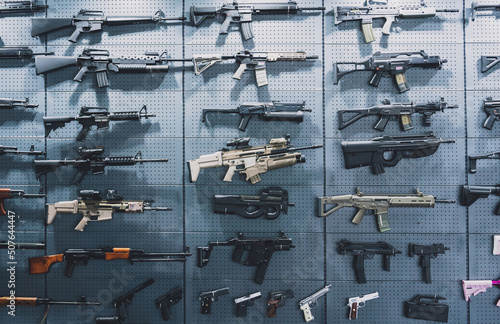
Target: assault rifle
<point>7,103</point>
<point>93,208</point>
<point>41,265</point>
<point>271,203</point>
<point>279,153</point>
<point>241,13</point>
<point>390,64</point>
<point>93,116</point>
<point>11,193</point>
<point>90,159</point>
<point>379,203</point>
<point>393,111</point>
<point>489,7</point>
<point>390,14</point>
<point>367,250</point>
<point>492,109</point>
<point>21,6</point>
<point>472,193</point>
<point>87,21</point>
<point>267,111</point>
<point>488,156</point>
<point>260,251</point>
<point>371,153</point>
<point>13,150</point>
<point>98,61</point>
<point>253,61</point>
<point>23,53</point>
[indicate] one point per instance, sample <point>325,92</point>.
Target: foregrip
<point>359,268</point>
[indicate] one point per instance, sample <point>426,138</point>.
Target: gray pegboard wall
<point>177,133</point>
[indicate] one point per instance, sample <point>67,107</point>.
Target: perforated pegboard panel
<point>444,26</point>
<point>309,172</point>
<point>169,32</point>
<point>447,267</point>
<point>437,169</point>
<point>449,123</point>
<point>199,205</point>
<point>224,310</point>
<point>165,105</point>
<point>62,80</point>
<point>445,218</point>
<point>226,125</point>
<point>104,290</point>
<point>268,29</point>
<point>148,221</point>
<point>177,133</point>
<point>293,76</point>
<point>450,77</point>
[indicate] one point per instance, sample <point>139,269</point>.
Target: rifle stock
<point>41,265</point>
<point>45,64</point>
<point>40,26</point>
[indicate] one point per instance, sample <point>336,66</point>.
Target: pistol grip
<point>244,122</point>
<point>272,310</point>
<point>206,306</point>
<point>165,312</point>
<point>354,311</point>
<point>489,122</point>
<point>74,36</point>
<point>70,265</point>
<point>81,73</point>
<point>83,134</point>
<point>261,272</point>
<point>224,28</point>
<point>375,80</point>
<point>386,29</point>
<point>382,123</point>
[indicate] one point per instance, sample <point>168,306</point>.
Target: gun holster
<point>426,310</point>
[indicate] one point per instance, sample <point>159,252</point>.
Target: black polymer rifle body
<point>362,251</point>
<point>267,111</point>
<point>371,153</point>
<point>241,13</point>
<point>91,159</point>
<point>168,300</point>
<point>271,203</point>
<point>99,62</point>
<point>21,6</point>
<point>426,252</point>
<point>392,111</point>
<point>87,21</point>
<point>470,194</point>
<point>390,64</point>
<point>260,251</point>
<point>93,116</point>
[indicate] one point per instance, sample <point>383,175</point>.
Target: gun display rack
<point>177,133</point>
